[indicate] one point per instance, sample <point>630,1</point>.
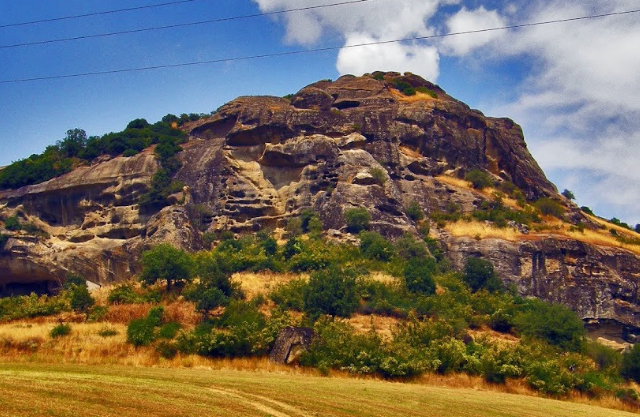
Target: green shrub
<point>374,246</point>
<point>479,274</point>
<point>331,291</point>
<point>97,313</point>
<point>603,356</point>
<point>290,295</point>
<point>165,262</point>
<point>209,299</point>
<point>379,175</point>
<point>124,294</point>
<point>294,226</point>
<point>555,323</point>
<point>140,332</point>
<point>408,248</point>
<point>414,211</point>
<point>107,332</point>
<point>269,246</point>
<point>357,219</point>
<point>630,367</point>
<point>155,316</point>
<point>587,210</point>
<point>386,299</point>
<point>80,299</point>
<point>28,306</point>
<point>418,275</point>
<point>12,223</point>
<point>60,330</point>
<point>169,330</point>
<point>3,241</point>
<point>305,217</point>
<point>427,91</point>
<point>167,349</point>
<point>549,207</point>
<point>478,179</point>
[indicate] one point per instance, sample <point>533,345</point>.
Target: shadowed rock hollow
<point>354,142</point>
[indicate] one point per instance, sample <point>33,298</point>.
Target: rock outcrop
<point>353,142</point>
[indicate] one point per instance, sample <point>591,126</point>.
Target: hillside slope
<point>354,142</point>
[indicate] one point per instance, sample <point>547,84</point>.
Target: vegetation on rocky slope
<point>78,149</point>
<point>447,321</point>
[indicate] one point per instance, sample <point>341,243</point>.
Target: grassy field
<point>73,390</point>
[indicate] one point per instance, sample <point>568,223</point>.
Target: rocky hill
<point>383,141</point>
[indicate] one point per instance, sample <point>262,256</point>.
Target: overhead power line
<point>179,25</point>
<point>80,16</point>
<point>315,50</point>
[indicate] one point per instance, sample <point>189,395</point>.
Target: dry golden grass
<point>71,390</point>
<point>256,283</point>
<point>457,182</point>
<point>384,326</point>
<point>480,230</point>
<point>418,96</point>
<point>412,153</point>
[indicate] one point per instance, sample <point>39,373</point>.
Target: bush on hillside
<point>630,367</point>
<point>549,207</point>
<point>290,295</point>
<point>60,330</point>
<point>358,219</point>
<point>3,241</point>
<point>414,211</point>
<point>374,246</point>
<point>12,223</point>
<point>331,291</point>
<point>555,323</point>
<point>479,274</point>
<point>164,262</point>
<point>478,179</point>
<point>418,275</point>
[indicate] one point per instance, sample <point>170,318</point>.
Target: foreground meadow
<point>73,390</point>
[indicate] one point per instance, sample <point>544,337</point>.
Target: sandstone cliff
<point>354,142</point>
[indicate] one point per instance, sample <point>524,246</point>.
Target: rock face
<point>596,282</point>
<point>291,342</point>
<point>354,142</point>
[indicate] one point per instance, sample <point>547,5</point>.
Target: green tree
<point>418,275</point>
<point>165,262</point>
<point>555,323</point>
<point>630,368</point>
<point>210,299</point>
<point>374,246</point>
<point>568,194</point>
<point>81,300</point>
<point>73,143</point>
<point>358,219</point>
<point>478,179</point>
<point>331,291</point>
<point>479,274</point>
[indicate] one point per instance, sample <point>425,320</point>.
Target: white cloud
<point>391,57</point>
<point>378,20</point>
<point>468,20</point>
<point>580,106</point>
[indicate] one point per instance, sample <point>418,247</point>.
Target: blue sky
<point>573,87</point>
